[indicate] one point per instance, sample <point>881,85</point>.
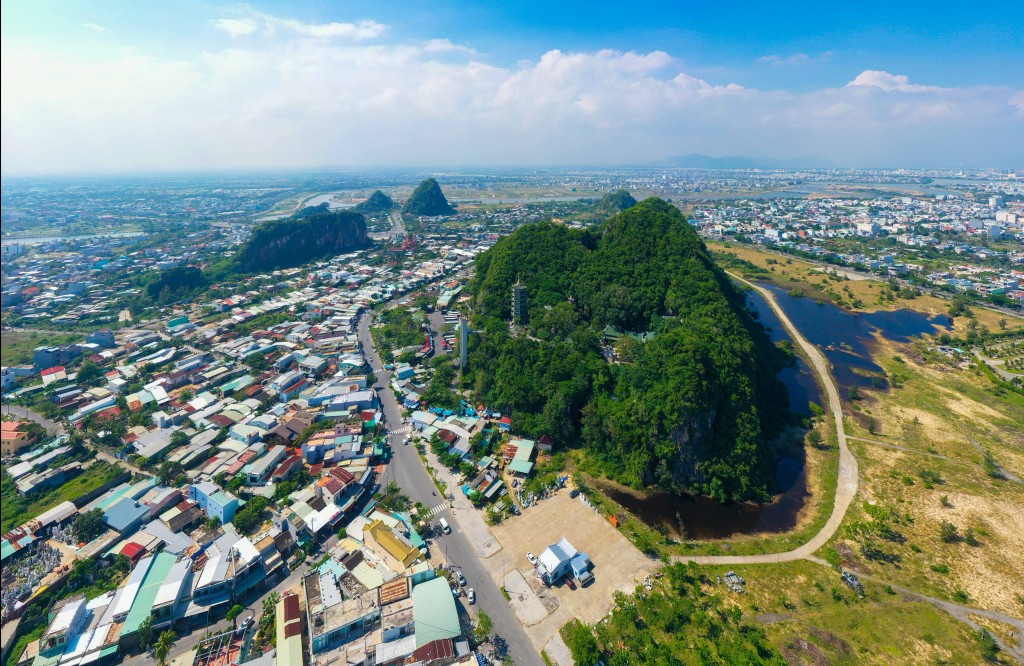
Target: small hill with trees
<point>616,202</point>
<point>174,284</point>
<point>428,200</point>
<point>377,203</point>
<point>313,233</point>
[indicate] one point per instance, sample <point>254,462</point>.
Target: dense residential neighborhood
<point>946,242</point>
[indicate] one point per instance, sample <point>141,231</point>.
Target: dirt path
<point>962,613</point>
<point>897,447</point>
<point>1002,470</point>
<point>846,487</point>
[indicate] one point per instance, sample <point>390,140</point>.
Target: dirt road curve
<point>847,486</point>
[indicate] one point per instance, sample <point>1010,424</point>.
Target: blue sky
<point>120,85</point>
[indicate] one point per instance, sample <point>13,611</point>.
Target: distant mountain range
<point>699,161</point>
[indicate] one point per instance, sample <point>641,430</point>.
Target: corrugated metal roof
<point>435,612</point>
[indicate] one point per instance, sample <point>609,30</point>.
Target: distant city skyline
<point>112,88</point>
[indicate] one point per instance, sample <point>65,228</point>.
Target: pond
<point>846,339</point>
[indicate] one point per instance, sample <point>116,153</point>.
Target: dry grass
<point>938,410</point>
<point>794,602</point>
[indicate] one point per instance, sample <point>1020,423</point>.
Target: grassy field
<point>941,415</point>
<point>16,346</point>
<point>16,510</point>
<point>806,611</point>
<point>857,294</point>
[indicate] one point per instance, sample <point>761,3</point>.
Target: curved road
<point>846,488</point>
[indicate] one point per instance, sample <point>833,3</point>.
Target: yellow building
<point>396,550</point>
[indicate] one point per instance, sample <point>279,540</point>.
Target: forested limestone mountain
<point>694,401</point>
<point>311,234</point>
<point>617,201</point>
<point>428,199</point>
<point>376,204</point>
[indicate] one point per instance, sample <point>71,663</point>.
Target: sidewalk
<point>469,519</point>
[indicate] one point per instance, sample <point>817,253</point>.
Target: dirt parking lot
<point>618,565</point>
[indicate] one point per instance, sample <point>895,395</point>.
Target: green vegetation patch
<point>677,622</point>
<point>16,346</point>
<point>428,199</point>
<point>313,233</point>
<point>16,509</point>
<point>694,407</point>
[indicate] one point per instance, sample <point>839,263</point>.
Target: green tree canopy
<point>88,525</point>
<point>696,402</point>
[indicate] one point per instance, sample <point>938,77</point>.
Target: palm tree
<point>163,646</point>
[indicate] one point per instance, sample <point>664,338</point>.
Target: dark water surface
<point>845,338</point>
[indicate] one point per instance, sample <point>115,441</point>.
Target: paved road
<point>407,469</point>
<point>52,427</point>
<point>397,224</point>
<point>846,488</point>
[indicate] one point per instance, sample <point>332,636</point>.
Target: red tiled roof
<point>133,550</point>
<point>343,475</point>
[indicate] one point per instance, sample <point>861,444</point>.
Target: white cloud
<point>873,78</point>
<point>236,27</point>
<point>775,59</point>
<point>798,58</point>
<point>254,21</point>
<point>97,28</point>
<point>311,100</point>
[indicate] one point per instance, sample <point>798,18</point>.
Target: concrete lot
<point>618,565</point>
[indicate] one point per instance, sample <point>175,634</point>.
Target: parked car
<point>456,591</point>
<point>574,493</point>
<point>533,560</point>
<point>471,593</point>
<point>459,577</point>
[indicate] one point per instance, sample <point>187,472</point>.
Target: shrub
<point>989,647</point>
<point>970,539</point>
<point>949,532</point>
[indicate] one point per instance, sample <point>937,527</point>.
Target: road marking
<point>436,510</point>
<point>400,431</point>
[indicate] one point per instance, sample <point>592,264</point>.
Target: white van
<point>444,526</point>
